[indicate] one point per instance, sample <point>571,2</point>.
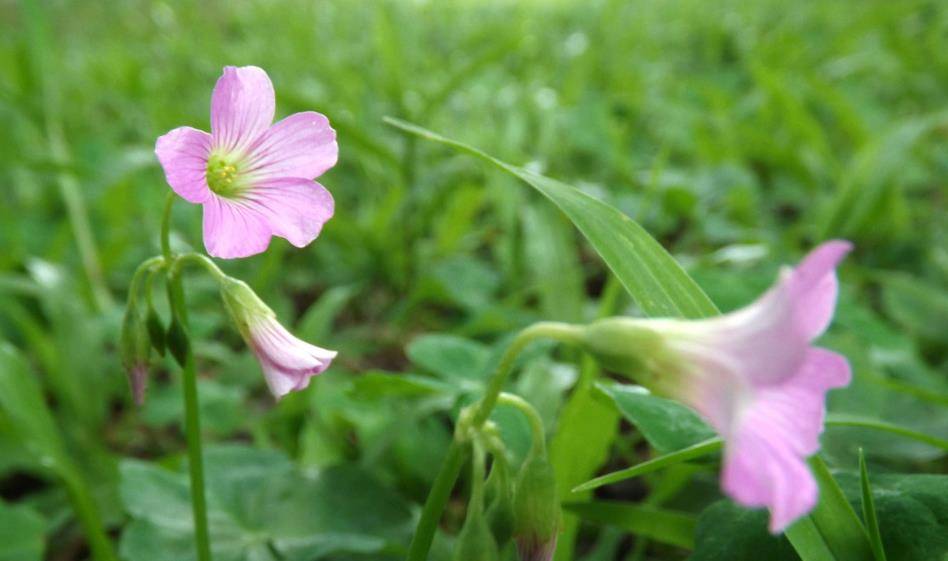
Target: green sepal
<point>499,497</point>
<point>178,342</point>
<point>536,501</point>
<point>156,331</point>
<point>475,541</point>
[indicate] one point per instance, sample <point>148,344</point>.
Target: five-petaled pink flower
<point>254,179</point>
<point>755,376</point>
<point>288,362</point>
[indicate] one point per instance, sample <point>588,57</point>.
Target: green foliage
<point>667,425</point>
<point>264,508</point>
<point>21,533</point>
<point>732,136</point>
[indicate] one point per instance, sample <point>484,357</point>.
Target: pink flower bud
<point>288,362</point>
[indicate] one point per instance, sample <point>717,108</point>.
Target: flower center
<point>222,176</point>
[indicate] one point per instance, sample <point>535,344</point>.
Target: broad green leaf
<point>912,513</point>
<point>376,384</point>
<point>21,533</point>
<point>869,516</point>
<point>551,257</point>
<point>452,358</point>
<point>657,282</point>
<point>666,526</point>
<point>588,424</point>
<point>667,425</point>
<point>912,510</point>
<point>260,507</point>
<point>728,532</point>
<point>21,401</point>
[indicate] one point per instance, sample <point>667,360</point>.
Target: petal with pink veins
<point>242,107</point>
<point>183,154</point>
<point>232,230</point>
<point>292,208</point>
<point>813,287</point>
<point>302,145</point>
<point>769,439</point>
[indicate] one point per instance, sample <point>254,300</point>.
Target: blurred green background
<point>739,134</point>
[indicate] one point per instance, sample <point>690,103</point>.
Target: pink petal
<point>768,440</point>
<point>302,145</point>
<point>183,154</point>
<point>292,208</point>
<point>242,107</point>
<point>231,230</point>
<point>288,362</point>
<point>814,286</point>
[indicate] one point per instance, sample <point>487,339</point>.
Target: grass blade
<point>869,510</point>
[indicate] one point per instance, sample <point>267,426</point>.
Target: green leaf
<point>869,510</point>
<point>21,400</point>
<point>552,261</point>
<point>260,507</point>
<point>728,532</point>
<point>912,512</point>
<point>698,450</point>
<point>667,425</point>
<point>657,282</point>
<point>451,358</point>
<point>21,533</point>
<point>666,526</point>
<point>839,529</point>
<point>586,424</point>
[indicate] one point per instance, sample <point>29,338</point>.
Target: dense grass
<point>738,134</point>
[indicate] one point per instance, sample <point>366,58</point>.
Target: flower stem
<point>192,417</point>
<point>454,460</point>
<point>88,515</point>
<point>536,423</point>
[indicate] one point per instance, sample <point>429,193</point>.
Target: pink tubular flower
<point>754,375</point>
<point>288,363</point>
<point>254,179</point>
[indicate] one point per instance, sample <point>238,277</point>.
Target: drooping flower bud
<point>498,494</point>
<point>135,349</point>
<point>475,541</point>
<point>536,510</point>
<point>288,363</point>
<point>753,374</point>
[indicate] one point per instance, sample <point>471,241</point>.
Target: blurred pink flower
<point>754,375</point>
<point>288,362</point>
<point>254,179</point>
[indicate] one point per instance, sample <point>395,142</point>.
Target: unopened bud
<point>475,542</point>
<point>156,331</point>
<point>536,510</point>
<point>135,350</point>
<point>499,497</point>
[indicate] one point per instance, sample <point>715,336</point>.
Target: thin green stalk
<point>89,518</point>
<point>536,423</point>
<point>189,390</point>
<point>436,501</point>
<point>551,330</point>
<point>451,466</point>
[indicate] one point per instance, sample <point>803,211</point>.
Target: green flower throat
<point>223,176</point>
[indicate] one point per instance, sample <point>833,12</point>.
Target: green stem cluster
<point>189,384</point>
<point>457,451</point>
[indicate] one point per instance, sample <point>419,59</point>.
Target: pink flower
<point>254,179</point>
<point>288,362</point>
<point>755,376</point>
